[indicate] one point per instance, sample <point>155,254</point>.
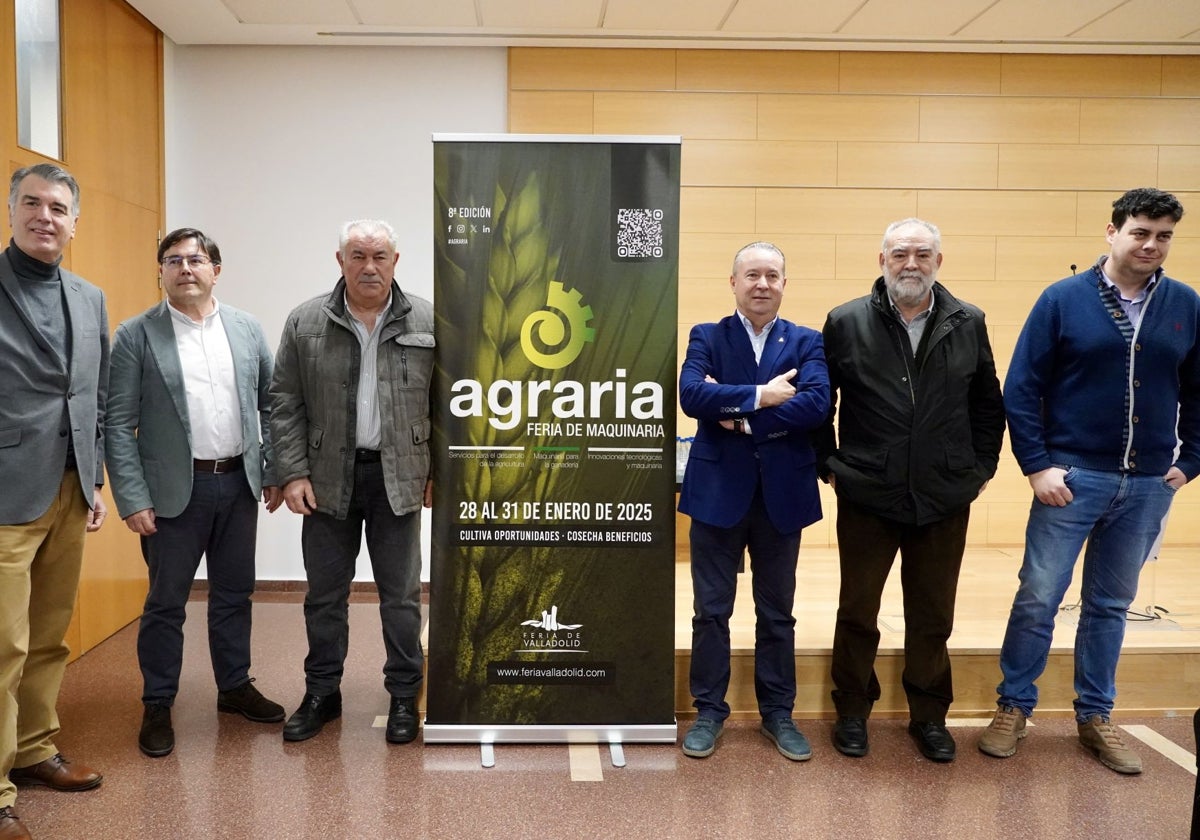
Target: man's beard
<point>909,288</point>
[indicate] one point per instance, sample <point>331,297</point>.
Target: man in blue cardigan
<point>758,385</point>
<point>1104,382</point>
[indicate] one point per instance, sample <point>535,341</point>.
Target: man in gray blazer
<point>189,452</point>
<point>53,374</point>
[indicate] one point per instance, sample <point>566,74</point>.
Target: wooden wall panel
<point>783,163</point>
<point>908,72</point>
<point>832,211</point>
<point>1081,75</point>
<point>983,212</point>
<point>112,144</point>
<point>1181,75</point>
<point>554,111</point>
<point>591,69</point>
<point>1178,168</point>
<point>1159,121</point>
<point>777,71</point>
<point>703,210</point>
<point>793,117</point>
<point>984,119</point>
<point>1017,158</point>
<point>946,165</point>
<point>722,116</point>
<point>1076,167</point>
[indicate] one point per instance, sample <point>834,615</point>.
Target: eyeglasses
<point>193,261</point>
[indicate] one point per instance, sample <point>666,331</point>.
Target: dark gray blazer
<point>149,433</point>
<point>34,383</point>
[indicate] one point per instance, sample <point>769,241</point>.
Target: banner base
<point>474,733</point>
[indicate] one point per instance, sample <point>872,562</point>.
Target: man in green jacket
<point>350,425</point>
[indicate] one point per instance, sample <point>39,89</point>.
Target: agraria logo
<point>561,327</point>
<point>547,632</point>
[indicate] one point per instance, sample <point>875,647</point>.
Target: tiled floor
<point>231,778</point>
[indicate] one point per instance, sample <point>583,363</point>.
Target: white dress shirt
<point>210,384</point>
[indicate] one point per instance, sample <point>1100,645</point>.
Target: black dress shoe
<point>247,701</point>
<point>311,717</point>
<point>156,737</point>
<point>850,736</point>
<point>402,721</point>
<point>933,739</point>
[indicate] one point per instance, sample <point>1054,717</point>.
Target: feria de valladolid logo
<point>548,633</point>
<point>562,326</point>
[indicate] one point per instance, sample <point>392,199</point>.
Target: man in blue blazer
<point>189,453</point>
<point>758,385</point>
<point>53,372</point>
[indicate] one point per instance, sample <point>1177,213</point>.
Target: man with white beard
<point>918,437</point>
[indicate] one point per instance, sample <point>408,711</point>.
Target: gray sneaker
<point>701,739</point>
<point>789,740</point>
<point>1103,739</point>
<point>1001,736</point>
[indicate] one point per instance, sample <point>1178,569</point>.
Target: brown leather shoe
<point>11,828</point>
<point>57,773</point>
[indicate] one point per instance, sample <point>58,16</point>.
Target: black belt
<point>220,465</point>
<point>367,456</point>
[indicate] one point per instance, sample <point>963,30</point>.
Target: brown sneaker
<point>1001,736</point>
<point>1104,740</point>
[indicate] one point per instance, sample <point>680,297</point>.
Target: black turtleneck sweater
<point>41,285</point>
<point>42,295</point>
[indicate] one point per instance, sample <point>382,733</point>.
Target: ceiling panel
<point>1151,20</point>
<point>779,17</point>
<point>417,13</point>
<point>1036,19</point>
<point>540,15</point>
<point>1156,27</point>
<point>666,15</point>
<point>314,12</point>
<point>912,18</point>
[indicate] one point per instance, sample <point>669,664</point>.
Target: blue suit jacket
<point>724,467</point>
<point>148,432</point>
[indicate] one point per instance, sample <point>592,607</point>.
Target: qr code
<point>639,232</point>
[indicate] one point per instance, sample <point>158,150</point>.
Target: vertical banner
<point>552,582</point>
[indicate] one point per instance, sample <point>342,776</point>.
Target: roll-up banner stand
<point>552,583</point>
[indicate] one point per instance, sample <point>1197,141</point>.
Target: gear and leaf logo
<point>561,327</point>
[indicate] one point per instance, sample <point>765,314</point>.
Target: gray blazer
<point>149,434</point>
<point>34,384</point>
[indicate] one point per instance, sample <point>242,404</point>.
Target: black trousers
<point>331,548</point>
<point>930,559</point>
<point>219,523</point>
<point>716,553</point>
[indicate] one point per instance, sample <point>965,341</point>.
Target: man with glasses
<point>53,370</point>
<point>1103,402</point>
<point>189,453</point>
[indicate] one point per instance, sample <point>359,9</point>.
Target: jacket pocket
<point>416,359</point>
<point>315,435</point>
<point>420,431</point>
<point>9,437</point>
<point>868,459</point>
<point>960,459</point>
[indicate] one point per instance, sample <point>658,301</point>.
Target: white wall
<point>270,149</point>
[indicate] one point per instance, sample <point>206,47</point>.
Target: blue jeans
<point>1119,515</point>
